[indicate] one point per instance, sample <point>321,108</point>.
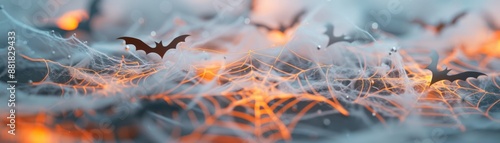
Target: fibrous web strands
<point>235,88</point>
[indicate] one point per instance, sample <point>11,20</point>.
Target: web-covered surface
<point>292,91</point>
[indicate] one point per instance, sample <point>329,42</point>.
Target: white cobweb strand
<point>350,73</point>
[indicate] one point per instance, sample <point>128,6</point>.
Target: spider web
<point>284,93</point>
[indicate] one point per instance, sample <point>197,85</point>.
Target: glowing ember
<point>278,37</point>
<point>70,20</point>
<point>254,83</point>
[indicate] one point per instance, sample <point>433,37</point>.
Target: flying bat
<point>490,22</point>
<point>282,28</point>
<point>440,27</point>
<point>158,49</point>
<point>332,39</point>
<point>443,75</point>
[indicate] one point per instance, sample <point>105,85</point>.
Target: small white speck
<point>69,56</point>
<point>374,114</point>
<point>326,121</point>
<point>247,21</point>
<point>153,33</point>
<point>374,25</point>
<point>394,49</point>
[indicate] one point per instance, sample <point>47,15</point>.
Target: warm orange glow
<point>208,73</point>
<point>267,103</point>
<point>38,135</point>
<point>278,37</point>
<point>490,48</point>
<point>428,78</point>
<point>69,21</point>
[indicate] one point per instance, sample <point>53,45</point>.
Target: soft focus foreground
<point>233,81</point>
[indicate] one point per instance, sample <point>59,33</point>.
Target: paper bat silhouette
<point>443,75</point>
<point>440,27</point>
<point>331,38</point>
<point>158,49</point>
<point>282,28</point>
<point>490,22</point>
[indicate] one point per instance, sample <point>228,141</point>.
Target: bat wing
<point>94,8</point>
<point>283,28</point>
<point>433,66</point>
<point>177,40</point>
<point>420,23</point>
<point>443,75</point>
<point>439,27</point>
<point>139,44</point>
<point>457,17</point>
<point>490,22</point>
<point>329,33</point>
<point>263,26</point>
<point>296,18</point>
<point>436,75</point>
<point>331,38</point>
<point>464,75</point>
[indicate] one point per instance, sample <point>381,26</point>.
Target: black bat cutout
<point>158,49</point>
<point>443,75</point>
<point>332,38</point>
<point>440,27</point>
<point>490,22</point>
<point>282,28</point>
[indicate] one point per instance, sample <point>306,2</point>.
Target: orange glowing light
<point>428,78</point>
<point>69,21</point>
<point>267,103</point>
<point>278,37</point>
<point>39,135</point>
<point>208,73</point>
<point>490,48</point>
